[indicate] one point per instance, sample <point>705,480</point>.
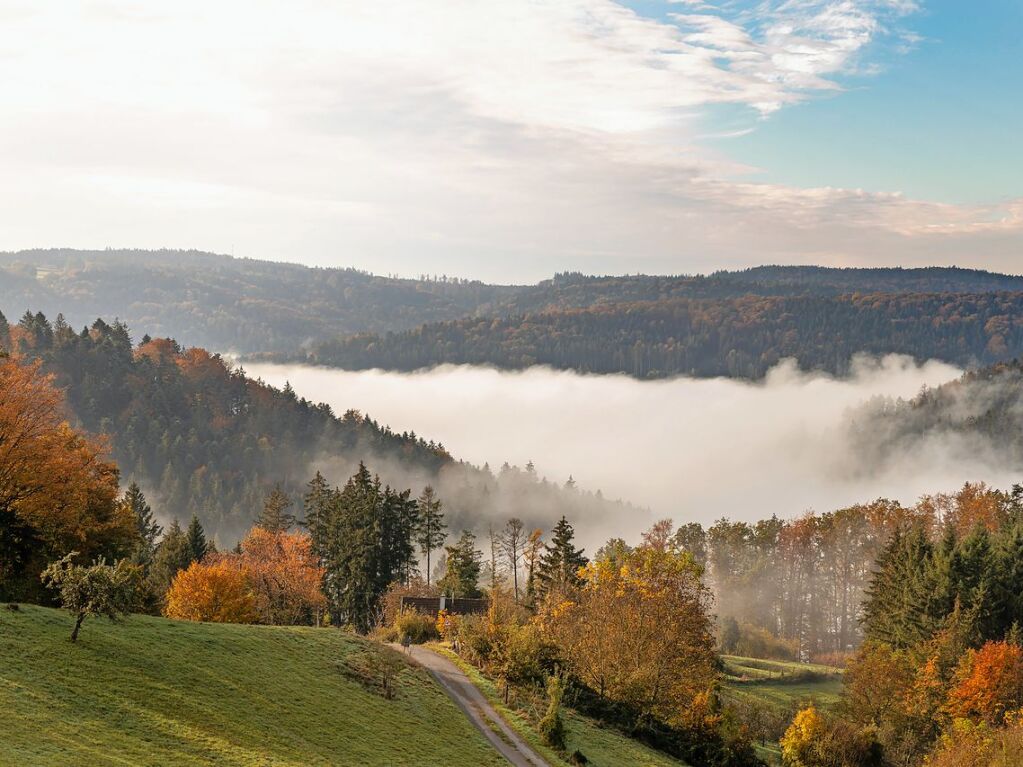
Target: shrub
<point>416,627</point>
<point>551,726</point>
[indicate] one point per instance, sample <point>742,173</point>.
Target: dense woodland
<point>241,305</point>
<point>737,337</point>
<point>203,439</point>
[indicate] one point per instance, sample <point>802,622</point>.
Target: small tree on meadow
<point>552,727</point>
<point>97,589</point>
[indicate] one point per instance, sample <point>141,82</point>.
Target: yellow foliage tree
<point>217,591</point>
<point>639,632</point>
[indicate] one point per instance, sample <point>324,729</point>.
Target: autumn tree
<point>97,589</point>
<point>217,591</point>
<point>430,533</point>
<point>640,633</point>
<point>284,575</point>
<point>988,683</point>
<point>58,492</point>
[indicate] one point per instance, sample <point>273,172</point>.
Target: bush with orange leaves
<point>275,579</point>
<point>216,590</point>
<point>988,684</point>
<point>284,575</point>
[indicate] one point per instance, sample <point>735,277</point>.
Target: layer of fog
<point>691,449</point>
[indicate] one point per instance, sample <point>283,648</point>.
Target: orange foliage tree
<point>284,574</point>
<point>988,683</point>
<point>217,591</point>
<point>58,491</point>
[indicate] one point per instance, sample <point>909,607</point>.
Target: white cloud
<point>428,136</point>
<point>691,449</point>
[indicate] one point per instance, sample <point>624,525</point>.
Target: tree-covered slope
<point>202,438</point>
<point>741,337</point>
<point>234,304</point>
<point>150,691</point>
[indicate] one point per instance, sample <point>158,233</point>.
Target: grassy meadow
<point>150,691</point>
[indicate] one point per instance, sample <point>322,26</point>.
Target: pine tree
<point>172,555</point>
<point>145,523</point>
<point>316,505</point>
<point>895,609</point>
<point>464,564</point>
<point>431,532</point>
<point>198,547</point>
<point>275,517</point>
<point>560,563</point>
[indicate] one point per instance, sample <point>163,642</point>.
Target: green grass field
<point>602,746</point>
<point>149,691</point>
<point>776,689</point>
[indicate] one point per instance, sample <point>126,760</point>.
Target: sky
<point>510,140</point>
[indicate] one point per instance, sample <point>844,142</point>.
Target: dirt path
<point>476,707</point>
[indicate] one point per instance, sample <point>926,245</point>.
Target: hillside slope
<point>243,305</point>
<point>150,691</point>
<point>736,337</point>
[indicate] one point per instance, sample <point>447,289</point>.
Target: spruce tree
<point>464,564</point>
<point>315,506</point>
<point>172,555</point>
<point>145,523</point>
<point>896,606</point>
<point>5,335</point>
<point>275,517</point>
<point>431,531</point>
<point>198,547</point>
<point>561,560</point>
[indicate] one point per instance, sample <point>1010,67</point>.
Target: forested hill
<point>741,337</point>
<point>202,438</point>
<point>978,417</point>
<point>232,304</point>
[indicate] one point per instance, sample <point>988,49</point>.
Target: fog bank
<point>692,449</point>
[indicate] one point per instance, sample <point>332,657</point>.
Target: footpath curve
<point>475,706</point>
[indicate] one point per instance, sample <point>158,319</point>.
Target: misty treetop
<point>202,439</point>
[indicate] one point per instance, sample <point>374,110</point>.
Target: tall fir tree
<point>198,546</point>
<point>316,506</point>
<point>172,555</point>
<point>895,608</point>
<point>275,517</point>
<point>561,560</point>
<point>148,529</point>
<point>431,532</point>
<point>464,564</point>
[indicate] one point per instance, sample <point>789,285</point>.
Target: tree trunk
<point>78,625</point>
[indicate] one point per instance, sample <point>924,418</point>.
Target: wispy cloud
<point>425,134</point>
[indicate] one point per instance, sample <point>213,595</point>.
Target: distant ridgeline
<point>202,438</point>
<point>727,323</point>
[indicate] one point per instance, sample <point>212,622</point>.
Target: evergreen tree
<point>145,523</point>
<point>431,533</point>
<point>315,505</point>
<point>464,564</point>
<point>275,517</point>
<point>198,547</point>
<point>172,555</point>
<point>895,609</point>
<point>5,334</point>
<point>560,563</point>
